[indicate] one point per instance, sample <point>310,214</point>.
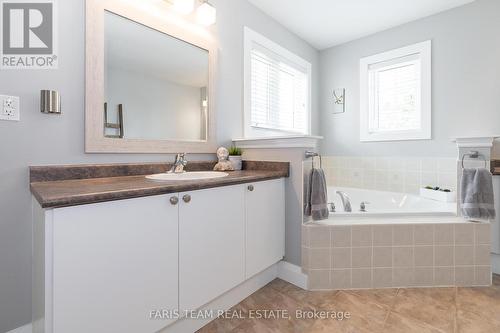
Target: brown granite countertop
<point>495,167</point>
<point>75,188</point>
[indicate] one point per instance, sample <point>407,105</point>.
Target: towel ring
<point>312,155</point>
<point>474,155</point>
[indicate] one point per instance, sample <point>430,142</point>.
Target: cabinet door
<point>265,225</point>
<point>211,244</point>
<point>113,263</point>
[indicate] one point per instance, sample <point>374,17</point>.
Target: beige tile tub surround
<point>388,256</point>
<point>396,174</point>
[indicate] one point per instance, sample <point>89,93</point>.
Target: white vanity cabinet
<point>265,225</point>
<point>104,267</point>
<point>111,264</point>
<point>212,244</point>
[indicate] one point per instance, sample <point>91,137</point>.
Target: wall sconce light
<point>50,102</point>
<point>184,7</point>
<point>206,14</point>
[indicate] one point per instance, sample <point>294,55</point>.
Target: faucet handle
<point>181,158</point>
<point>362,206</point>
<point>331,205</point>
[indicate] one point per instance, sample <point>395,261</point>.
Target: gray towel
<point>476,194</point>
<point>316,204</point>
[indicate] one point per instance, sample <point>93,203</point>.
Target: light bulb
<point>206,14</point>
<point>184,6</point>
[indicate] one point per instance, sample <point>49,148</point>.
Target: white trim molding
<point>226,301</point>
<point>475,142</point>
<point>306,141</point>
<point>23,329</point>
<point>420,52</point>
<point>292,274</point>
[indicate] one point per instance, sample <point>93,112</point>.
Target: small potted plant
<point>438,193</point>
<point>235,157</point>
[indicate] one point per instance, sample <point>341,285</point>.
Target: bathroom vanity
<point>110,252</point>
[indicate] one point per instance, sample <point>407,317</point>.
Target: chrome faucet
<point>179,164</point>
<point>346,202</point>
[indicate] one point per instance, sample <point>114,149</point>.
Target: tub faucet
<point>346,202</point>
<point>179,164</point>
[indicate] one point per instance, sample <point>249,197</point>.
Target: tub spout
<point>346,202</point>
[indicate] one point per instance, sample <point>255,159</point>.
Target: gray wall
<point>465,78</point>
<point>42,139</point>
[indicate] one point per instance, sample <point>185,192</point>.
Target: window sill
<point>475,141</point>
<point>294,141</point>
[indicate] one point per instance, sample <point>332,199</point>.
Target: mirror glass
<point>157,81</point>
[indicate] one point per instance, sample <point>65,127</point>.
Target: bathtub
<point>388,204</point>
<point>401,241</point>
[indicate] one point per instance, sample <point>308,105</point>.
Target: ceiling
<point>134,47</point>
<point>326,23</point>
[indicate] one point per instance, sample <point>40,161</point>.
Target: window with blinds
<point>396,94</point>
<point>278,88</point>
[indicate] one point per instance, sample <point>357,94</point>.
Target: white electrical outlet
<point>9,108</point>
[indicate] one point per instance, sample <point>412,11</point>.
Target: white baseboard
<point>292,274</point>
<point>23,329</point>
<point>495,263</point>
<point>226,301</point>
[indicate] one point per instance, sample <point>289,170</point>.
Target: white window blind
<point>279,92</point>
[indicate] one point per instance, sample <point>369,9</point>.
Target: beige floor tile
<point>226,325</point>
<point>384,297</point>
<point>366,314</point>
<point>414,310</point>
<point>351,325</point>
<point>433,306</point>
<point>482,301</point>
<point>470,322</point>
<point>397,323</point>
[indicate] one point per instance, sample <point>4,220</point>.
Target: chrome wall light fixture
<point>50,102</point>
<point>206,14</point>
<point>184,7</point>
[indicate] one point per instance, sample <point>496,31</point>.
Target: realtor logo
<point>28,35</point>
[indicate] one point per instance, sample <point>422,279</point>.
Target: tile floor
<point>419,310</point>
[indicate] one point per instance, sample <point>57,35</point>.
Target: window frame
<point>249,131</point>
<point>422,51</point>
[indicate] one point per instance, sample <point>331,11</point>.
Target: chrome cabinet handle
<point>174,200</point>
<point>186,198</point>
<point>251,188</point>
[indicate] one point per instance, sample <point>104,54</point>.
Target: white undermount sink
<point>195,175</point>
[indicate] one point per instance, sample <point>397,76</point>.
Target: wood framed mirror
<point>149,80</point>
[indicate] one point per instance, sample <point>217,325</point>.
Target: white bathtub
<point>388,204</point>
